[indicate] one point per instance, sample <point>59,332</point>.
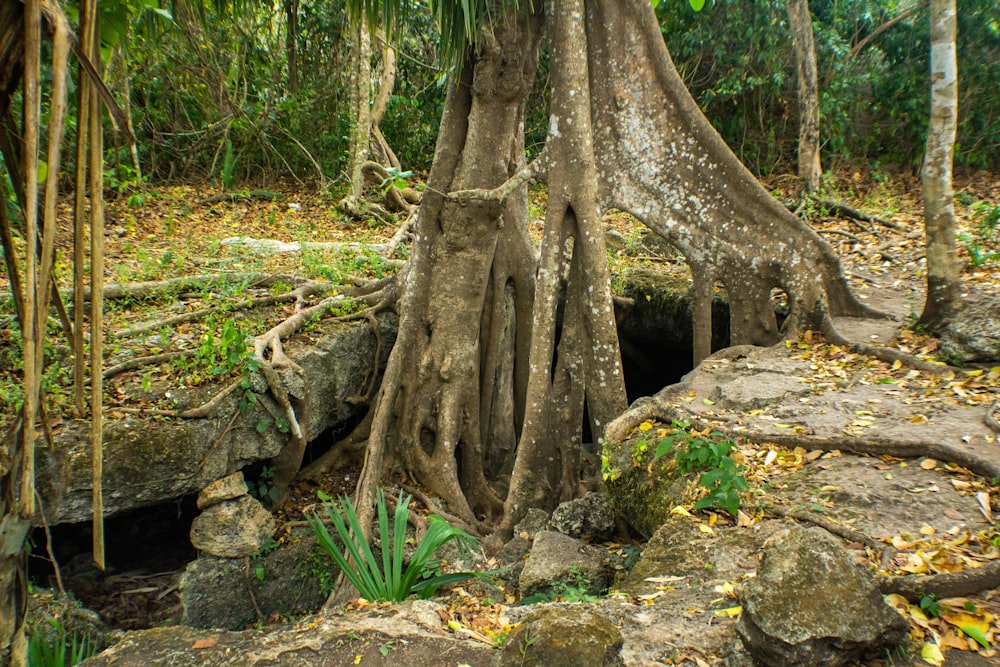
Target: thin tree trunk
<point>360,105</point>
<point>943,280</point>
<point>291,44</point>
<point>800,25</point>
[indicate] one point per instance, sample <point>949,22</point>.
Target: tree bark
<point>361,120</point>
<point>800,25</point>
<point>291,44</point>
<point>483,362</point>
<point>469,256</point>
<point>944,297</point>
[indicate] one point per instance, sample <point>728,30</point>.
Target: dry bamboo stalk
<point>32,114</point>
<point>96,302</point>
<point>79,220</point>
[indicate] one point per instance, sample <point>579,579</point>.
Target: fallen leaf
<point>928,464</point>
<point>931,654</point>
<point>983,498</point>
<point>729,612</point>
<point>205,642</point>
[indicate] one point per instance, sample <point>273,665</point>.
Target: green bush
<point>387,580</point>
<point>710,454</point>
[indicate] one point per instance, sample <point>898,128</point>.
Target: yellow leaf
<point>705,529</point>
<point>729,612</point>
<point>680,510</point>
<point>645,426</point>
<point>454,625</point>
<point>357,658</point>
<point>707,402</point>
<point>896,365</point>
<point>931,654</point>
<point>975,373</point>
<point>928,464</point>
<point>783,425</point>
<point>927,529</point>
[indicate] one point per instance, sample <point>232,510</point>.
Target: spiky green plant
<point>387,580</point>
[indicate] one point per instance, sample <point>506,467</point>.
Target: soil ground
<point>170,232</point>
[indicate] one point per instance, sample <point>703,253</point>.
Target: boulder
<point>233,528</point>
<point>973,335</point>
<point>292,580</point>
<point>534,521</point>
<point>559,559</point>
<point>563,636</point>
<point>590,516</point>
<point>149,460</point>
<point>812,605</point>
<point>229,487</point>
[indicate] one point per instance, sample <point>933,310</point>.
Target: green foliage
<point>736,58</point>
<point>983,241</point>
<point>574,590</point>
<point>263,489</point>
<point>225,353</point>
<point>930,605</point>
<point>387,580</point>
<point>710,454</point>
<point>57,648</point>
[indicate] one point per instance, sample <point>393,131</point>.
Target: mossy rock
<point>643,491</point>
<point>563,636</point>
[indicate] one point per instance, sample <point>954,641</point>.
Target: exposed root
<point>435,508</point>
<point>203,411</point>
<point>250,593</point>
<point>853,237</point>
<point>151,288</point>
<point>886,354</point>
<point>992,417</point>
<point>887,551</point>
<point>948,585</point>
<point>403,233</point>
<point>366,397</point>
<point>139,362</point>
<point>653,409</point>
<point>298,295</point>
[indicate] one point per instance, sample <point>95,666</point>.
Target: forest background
<point>252,92</point>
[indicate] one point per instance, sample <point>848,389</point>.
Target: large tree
<point>502,353</point>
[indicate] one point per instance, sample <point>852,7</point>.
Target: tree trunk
<point>800,25</point>
<point>361,122</point>
<point>291,44</point>
<point>471,266</point>
<point>471,377</point>
<point>943,272</point>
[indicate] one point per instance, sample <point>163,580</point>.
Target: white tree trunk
<point>800,25</point>
<point>943,281</point>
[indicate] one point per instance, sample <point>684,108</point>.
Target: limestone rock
<point>557,558</point>
<point>973,334</point>
<point>812,605</point>
<point>534,521</point>
<point>563,636</point>
<point>587,516</point>
<point>229,487</point>
<point>233,528</point>
<point>289,581</point>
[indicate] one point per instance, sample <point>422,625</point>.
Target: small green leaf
<point>697,5</point>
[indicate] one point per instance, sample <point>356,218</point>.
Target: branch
<point>869,38</point>
<point>498,194</point>
<point>948,585</point>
